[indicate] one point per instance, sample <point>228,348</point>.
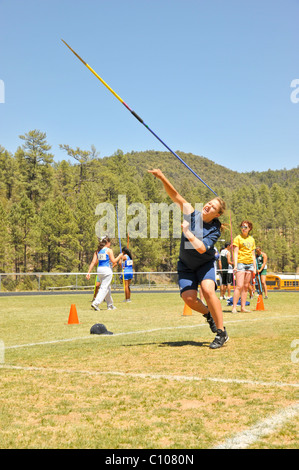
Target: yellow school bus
<point>282,282</point>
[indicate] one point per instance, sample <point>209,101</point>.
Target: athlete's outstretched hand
<point>157,173</point>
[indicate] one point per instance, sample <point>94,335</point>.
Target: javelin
<point>122,269</point>
<point>139,118</point>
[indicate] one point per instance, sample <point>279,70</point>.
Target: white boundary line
<point>178,378</point>
<point>263,428</point>
<point>101,336</point>
<point>241,440</point>
<point>41,343</point>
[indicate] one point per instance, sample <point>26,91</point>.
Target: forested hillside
<point>47,208</point>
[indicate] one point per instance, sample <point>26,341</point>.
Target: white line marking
<point>179,378</point>
<point>263,428</point>
<point>28,345</point>
<point>241,441</point>
<point>100,336</point>
<point>41,343</point>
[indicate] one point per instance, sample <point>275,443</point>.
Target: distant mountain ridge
<point>212,173</point>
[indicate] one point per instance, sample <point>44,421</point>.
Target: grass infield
<point>154,384</point>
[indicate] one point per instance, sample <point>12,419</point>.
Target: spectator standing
<point>244,263</point>
<point>227,271</point>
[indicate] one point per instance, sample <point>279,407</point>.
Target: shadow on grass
<point>174,344</point>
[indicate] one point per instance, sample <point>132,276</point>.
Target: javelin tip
<point>77,55</point>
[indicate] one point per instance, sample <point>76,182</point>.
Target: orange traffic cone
<point>73,316</point>
<point>260,303</point>
<point>187,310</point>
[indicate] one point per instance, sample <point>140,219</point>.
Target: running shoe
<point>220,339</point>
<point>94,306</point>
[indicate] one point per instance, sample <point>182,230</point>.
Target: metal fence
<point>153,281</point>
<point>23,282</point>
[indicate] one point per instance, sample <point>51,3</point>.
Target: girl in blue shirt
<point>196,263</point>
<point>127,263</point>
<point>104,258</point>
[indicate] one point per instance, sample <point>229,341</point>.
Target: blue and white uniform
<point>128,268</point>
<point>103,258</point>
<point>104,277</point>
<point>194,267</point>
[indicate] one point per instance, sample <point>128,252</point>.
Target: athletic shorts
<point>227,278</point>
<point>189,279</point>
<point>245,267</point>
<point>128,276</point>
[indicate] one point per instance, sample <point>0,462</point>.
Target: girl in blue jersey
<point>196,263</point>
<point>127,264</point>
<point>104,258</point>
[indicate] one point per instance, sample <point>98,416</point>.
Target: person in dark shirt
<point>196,264</point>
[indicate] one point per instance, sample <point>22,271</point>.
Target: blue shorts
<point>189,279</point>
<point>128,276</point>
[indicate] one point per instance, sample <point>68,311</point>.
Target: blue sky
<point>210,77</point>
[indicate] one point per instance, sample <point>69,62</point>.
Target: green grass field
<point>154,384</point>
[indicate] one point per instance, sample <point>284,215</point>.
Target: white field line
<point>241,441</point>
<point>178,378</point>
<point>263,428</point>
<point>100,336</point>
<point>41,343</point>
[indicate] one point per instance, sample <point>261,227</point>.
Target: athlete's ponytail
<point>102,242</point>
<point>127,251</point>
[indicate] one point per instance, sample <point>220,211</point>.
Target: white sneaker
<point>94,306</point>
<point>111,307</point>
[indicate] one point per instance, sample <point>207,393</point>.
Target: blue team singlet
<point>128,265</point>
<point>128,268</point>
<point>103,258</point>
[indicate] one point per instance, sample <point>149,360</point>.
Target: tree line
<point>47,208</point>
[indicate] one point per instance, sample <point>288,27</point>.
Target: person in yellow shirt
<point>244,263</point>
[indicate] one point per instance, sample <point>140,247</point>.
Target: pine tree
<point>8,173</point>
<point>35,165</point>
<point>58,236</point>
<point>21,222</point>
<point>4,243</point>
<point>85,158</point>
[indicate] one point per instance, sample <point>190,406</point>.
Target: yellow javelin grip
<point>104,83</point>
